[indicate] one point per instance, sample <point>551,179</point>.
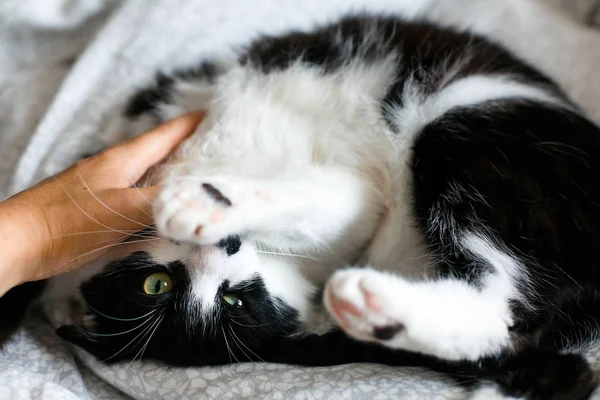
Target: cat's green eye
<point>232,300</point>
<point>157,283</point>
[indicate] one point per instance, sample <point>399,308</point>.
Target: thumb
<point>153,146</point>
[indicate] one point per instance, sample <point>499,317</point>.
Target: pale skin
<point>70,219</point>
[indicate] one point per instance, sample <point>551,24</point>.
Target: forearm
<point>18,244</point>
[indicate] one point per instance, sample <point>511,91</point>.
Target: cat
<point>377,189</point>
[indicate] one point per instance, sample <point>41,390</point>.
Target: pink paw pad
<point>341,307</point>
<point>360,311</point>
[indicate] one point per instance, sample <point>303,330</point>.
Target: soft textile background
<point>66,66</point>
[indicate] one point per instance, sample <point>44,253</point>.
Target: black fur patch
<point>231,245</point>
<point>424,52</point>
<point>172,327</point>
<point>13,306</point>
<point>528,173</point>
<point>147,101</point>
<point>538,374</point>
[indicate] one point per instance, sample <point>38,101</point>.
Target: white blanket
<point>46,123</point>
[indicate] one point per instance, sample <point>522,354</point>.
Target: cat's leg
<point>455,320</point>
<point>316,209</point>
<point>510,218</point>
<point>447,318</point>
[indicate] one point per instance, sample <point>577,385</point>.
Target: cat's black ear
<point>13,306</point>
<point>103,350</point>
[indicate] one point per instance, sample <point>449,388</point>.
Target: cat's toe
<point>193,211</point>
<point>357,302</point>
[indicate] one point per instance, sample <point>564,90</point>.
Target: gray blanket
<point>66,67</point>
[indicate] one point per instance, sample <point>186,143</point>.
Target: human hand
<point>68,220</point>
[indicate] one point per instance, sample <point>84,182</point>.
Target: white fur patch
<point>508,270</point>
<point>418,110</point>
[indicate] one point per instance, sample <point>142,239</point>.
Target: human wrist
<point>19,244</point>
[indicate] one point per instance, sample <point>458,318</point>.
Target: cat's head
<point>187,304</point>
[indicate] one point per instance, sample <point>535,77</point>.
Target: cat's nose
<point>231,244</point>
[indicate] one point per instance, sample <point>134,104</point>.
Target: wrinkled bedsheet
<point>66,67</point>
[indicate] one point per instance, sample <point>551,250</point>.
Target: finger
<point>148,149</point>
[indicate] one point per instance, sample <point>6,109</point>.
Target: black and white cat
<point>421,188</point>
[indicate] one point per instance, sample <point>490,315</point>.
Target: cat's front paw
<point>202,211</point>
<point>361,300</point>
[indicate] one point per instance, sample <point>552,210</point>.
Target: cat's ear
<point>13,306</point>
<point>177,92</point>
<point>102,348</point>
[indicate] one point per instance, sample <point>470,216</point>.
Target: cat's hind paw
<point>444,318</point>
<point>358,300</point>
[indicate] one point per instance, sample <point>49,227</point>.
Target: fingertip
<point>152,147</point>
<point>130,160</point>
<point>180,127</point>
<point>163,138</point>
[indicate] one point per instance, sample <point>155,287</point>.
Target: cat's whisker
<point>241,349</point>
<point>118,241</point>
<point>247,348</point>
<point>85,212</point>
<point>286,254</point>
<point>90,233</point>
<point>115,243</point>
<point>123,332</point>
<point>229,350</point>
<point>133,185</point>
<point>119,319</point>
<point>232,319</point>
<point>143,332</point>
<point>112,242</point>
<point>142,238</point>
<point>140,353</point>
<point>132,232</point>
<point>236,342</point>
<point>150,338</point>
<point>107,206</point>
